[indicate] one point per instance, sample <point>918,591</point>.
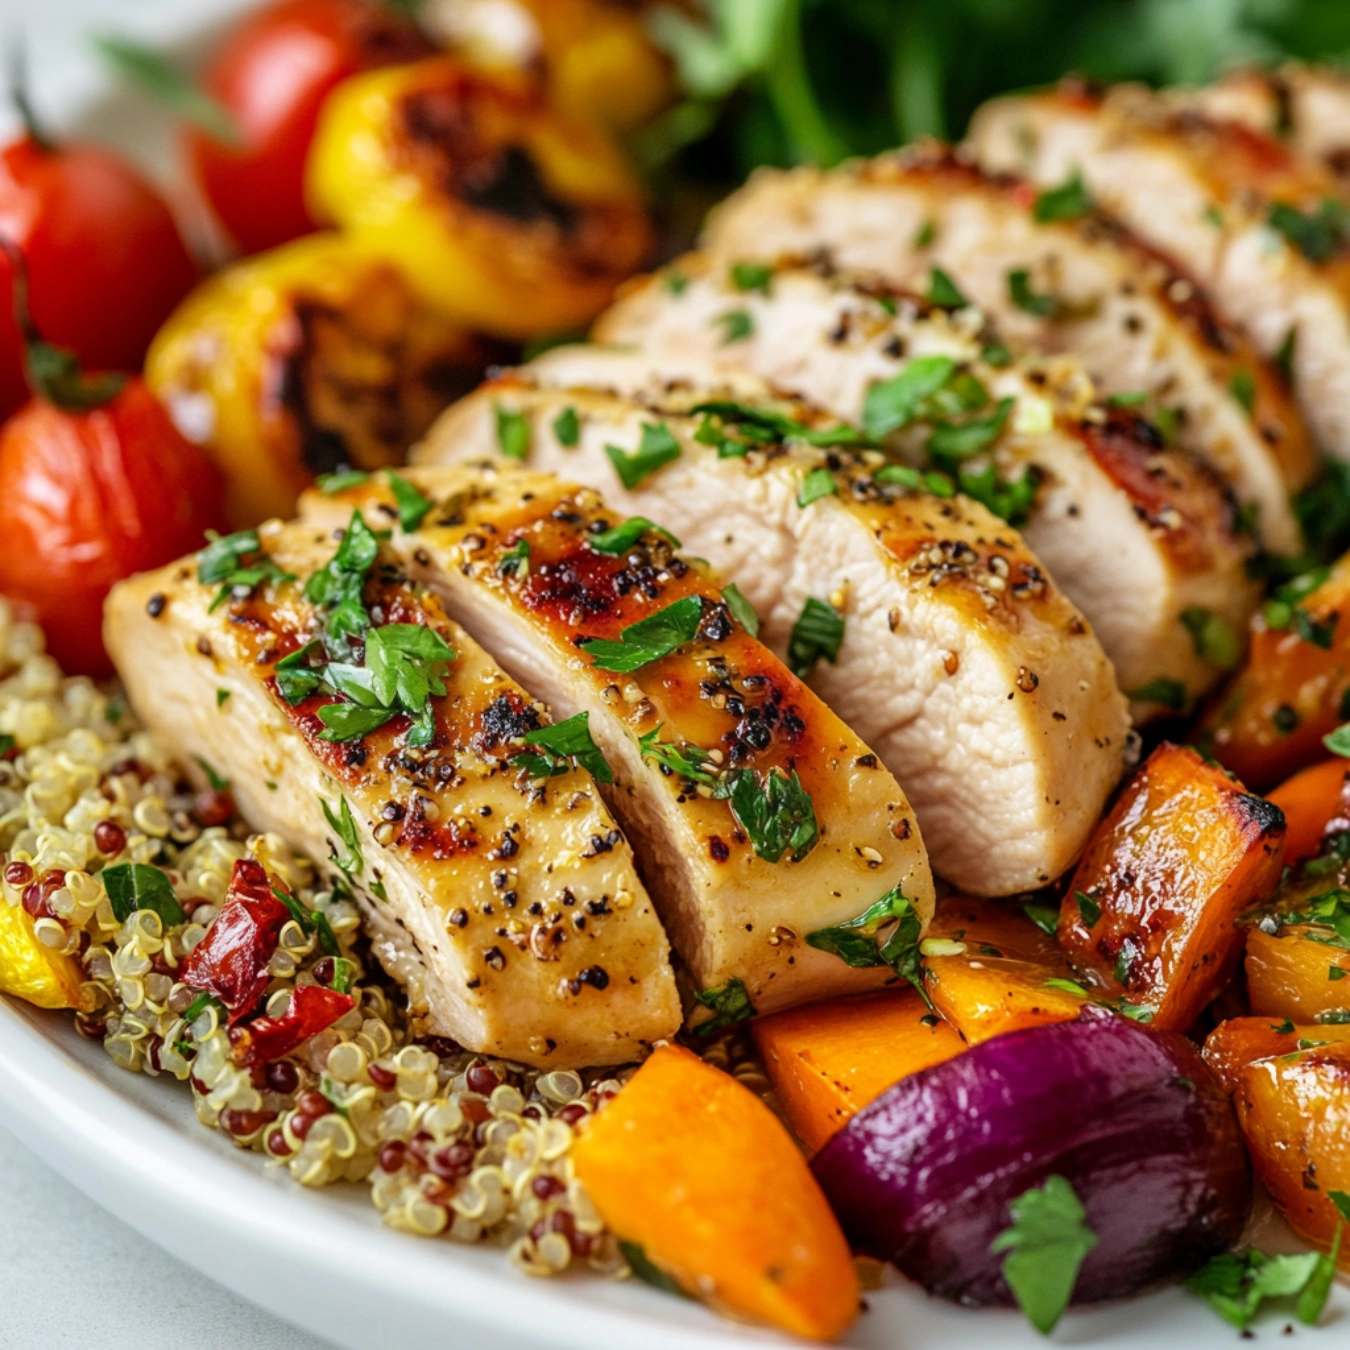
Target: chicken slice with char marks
<point>1087,287</point>
<point>536,568</point>
<point>1258,226</point>
<point>960,663</point>
<point>471,877</point>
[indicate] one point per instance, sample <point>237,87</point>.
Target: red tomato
<point>271,75</point>
<point>106,264</point>
<point>87,498</point>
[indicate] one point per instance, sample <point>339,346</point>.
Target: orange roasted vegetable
<point>989,970</point>
<point>1241,1041</point>
<point>505,214</point>
<point>1152,914</point>
<point>1295,1113</point>
<point>31,970</point>
<point>1269,721</point>
<point>305,360</point>
<point>692,1167</point>
<point>829,1060</point>
<point>1315,802</point>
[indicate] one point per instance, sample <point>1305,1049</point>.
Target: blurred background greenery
<point>780,81</point>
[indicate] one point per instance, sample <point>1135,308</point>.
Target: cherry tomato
<point>106,263</point>
<point>87,498</point>
<point>271,75</point>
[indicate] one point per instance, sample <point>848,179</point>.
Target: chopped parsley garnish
<point>685,760</point>
<point>133,886</point>
<point>815,485</point>
<point>1282,609</point>
<point>515,561</point>
<point>1046,1244</point>
<point>1330,910</point>
<point>1165,692</point>
<point>214,780</point>
<point>407,662</point>
<point>730,1003</point>
<point>674,282</point>
<point>555,748</point>
<point>943,291</point>
<point>645,1270</point>
<point>310,921</point>
<point>1132,398</point>
<point>752,277</point>
<point>657,447</point>
<point>737,325</point>
<point>925,234</point>
<point>295,679</point>
<point>330,484</point>
<point>1342,1202</point>
<point>199,1005</point>
<point>1069,201</point>
<point>649,639</point>
<point>1213,638</point>
<point>774,810</point>
<point>621,538</point>
<point>1243,388</point>
<point>344,973</point>
<point>344,826</point>
<point>1318,235</point>
<point>1045,917</point>
<point>960,440</point>
<point>1088,908</point>
<point>886,933</point>
<point>222,696</point>
<point>1236,1286</point>
<point>567,428</point>
<point>1027,300</point>
<point>1284,357</point>
<point>938,484</point>
<point>817,634</point>
<point>337,586</point>
<point>741,609</point>
<point>761,426</point>
<point>1066,986</point>
<point>895,403</point>
<point>237,564</point>
<point>412,505</point>
<point>513,432</point>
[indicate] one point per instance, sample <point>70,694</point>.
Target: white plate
<point>321,1258</point>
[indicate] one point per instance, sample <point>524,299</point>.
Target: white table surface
<point>73,1276</point>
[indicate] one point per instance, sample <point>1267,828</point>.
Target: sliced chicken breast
<point>1253,222</point>
<point>510,908</point>
<point>926,623</point>
<point>1074,282</point>
<point>757,816</point>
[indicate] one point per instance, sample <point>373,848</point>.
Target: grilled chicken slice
<point>511,909</point>
<point>1140,537</point>
<point>536,568</point>
<point>961,664</point>
<point>1075,283</point>
<point>1241,212</point>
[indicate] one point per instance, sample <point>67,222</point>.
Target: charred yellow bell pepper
<point>504,213</point>
<point>595,56</point>
<point>313,357</point>
<point>31,970</point>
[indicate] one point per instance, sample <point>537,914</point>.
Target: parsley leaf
<point>730,1003</point>
<point>815,485</point>
<point>1088,908</point>
<point>567,428</point>
<point>741,609</point>
<point>943,291</point>
<point>1068,201</point>
<point>817,634</point>
<point>133,886</point>
<point>337,586</point>
<point>752,277</point>
<point>1066,986</point>
<point>1046,1244</point>
<point>1236,1286</point>
<point>1318,235</point>
<point>559,746</point>
<point>311,921</point>
<point>1045,917</point>
<point>412,505</point>
<point>1027,300</point>
<point>407,663</point>
<point>686,760</point>
<point>344,826</point>
<point>1214,640</point>
<point>350,721</point>
<point>295,680</point>
<point>1165,692</point>
<point>737,325</point>
<point>775,811</point>
<point>894,403</point>
<point>646,1270</point>
<point>960,440</point>
<point>621,538</point>
<point>515,561</point>
<point>513,432</point>
<point>859,942</point>
<point>657,447</point>
<point>1243,388</point>
<point>225,561</point>
<point>330,484</point>
<point>649,639</point>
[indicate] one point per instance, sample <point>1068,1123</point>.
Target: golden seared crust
<point>512,908</point>
<point>528,560</point>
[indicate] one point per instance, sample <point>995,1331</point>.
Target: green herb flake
<point>997,354</point>
<point>1046,1245</point>
<point>1338,741</point>
<point>344,826</point>
<point>621,538</point>
<point>1088,908</point>
<point>730,1003</point>
<point>1284,357</point>
<point>741,609</point>
<point>1045,917</point>
<point>567,428</point>
<point>343,722</point>
<point>1066,986</point>
<point>1319,234</point>
<point>407,663</point>
<point>686,761</point>
<point>894,403</point>
<point>222,697</point>
<point>1342,1202</point>
<point>295,680</point>
<point>133,886</point>
<point>1236,1286</point>
<point>817,634</point>
<point>943,291</point>
<point>1028,301</point>
<point>1336,972</point>
<point>747,276</point>
<point>1132,398</point>
<point>1165,692</point>
<point>337,587</point>
<point>1068,201</point>
<point>886,933</point>
<point>674,282</point>
<point>513,432</point>
<point>960,440</point>
<point>215,781</point>
<point>649,639</point>
<point>647,1271</point>
<point>774,810</point>
<point>1243,388</point>
<point>237,564</point>
<point>412,505</point>
<point>330,484</point>
<point>1285,1028</point>
<point>164,80</point>
<point>657,448</point>
<point>1213,638</point>
<point>736,325</point>
<point>555,748</point>
<point>815,485</point>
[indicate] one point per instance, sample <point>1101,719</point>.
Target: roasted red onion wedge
<point>1133,1119</point>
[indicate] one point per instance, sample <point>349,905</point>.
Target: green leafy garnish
<point>1045,917</point>
<point>817,634</point>
<point>1318,235</point>
<point>657,447</point>
<point>1243,388</point>
<point>1213,638</point>
<point>350,721</point>
<point>643,1269</point>
<point>886,933</point>
<point>621,538</point>
<point>310,921</point>
<point>344,826</point>
<point>412,505</point>
<point>1068,201</point>
<point>737,325</point>
<point>741,609</point>
<point>649,639</point>
<point>1165,692</point>
<point>815,485</point>
<point>1284,357</point>
<point>894,403</point>
<point>557,747</point>
<point>752,277</point>
<point>730,1003</point>
<point>1236,1286</point>
<point>1066,986</point>
<point>943,291</point>
<point>685,760</point>
<point>214,780</point>
<point>407,662</point>
<point>513,432</point>
<point>237,564</point>
<point>515,561</point>
<point>774,810</point>
<point>295,679</point>
<point>222,697</point>
<point>330,484</point>
<point>960,440</point>
<point>336,587</point>
<point>162,78</point>
<point>1088,908</point>
<point>1046,1245</point>
<point>344,974</point>
<point>567,428</point>
<point>1027,300</point>
<point>133,886</point>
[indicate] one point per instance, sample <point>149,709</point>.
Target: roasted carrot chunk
<point>1314,802</point>
<point>1269,722</point>
<point>1152,915</point>
<point>31,970</point>
<point>829,1060</point>
<point>1295,1113</point>
<point>1241,1041</point>
<point>694,1168</point>
<point>989,969</point>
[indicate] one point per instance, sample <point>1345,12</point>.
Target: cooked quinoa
<point>451,1143</point>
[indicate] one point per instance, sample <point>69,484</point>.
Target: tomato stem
<point>21,98</point>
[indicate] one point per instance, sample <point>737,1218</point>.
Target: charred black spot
<point>596,976</point>
<point>1259,813</point>
<point>507,718</point>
